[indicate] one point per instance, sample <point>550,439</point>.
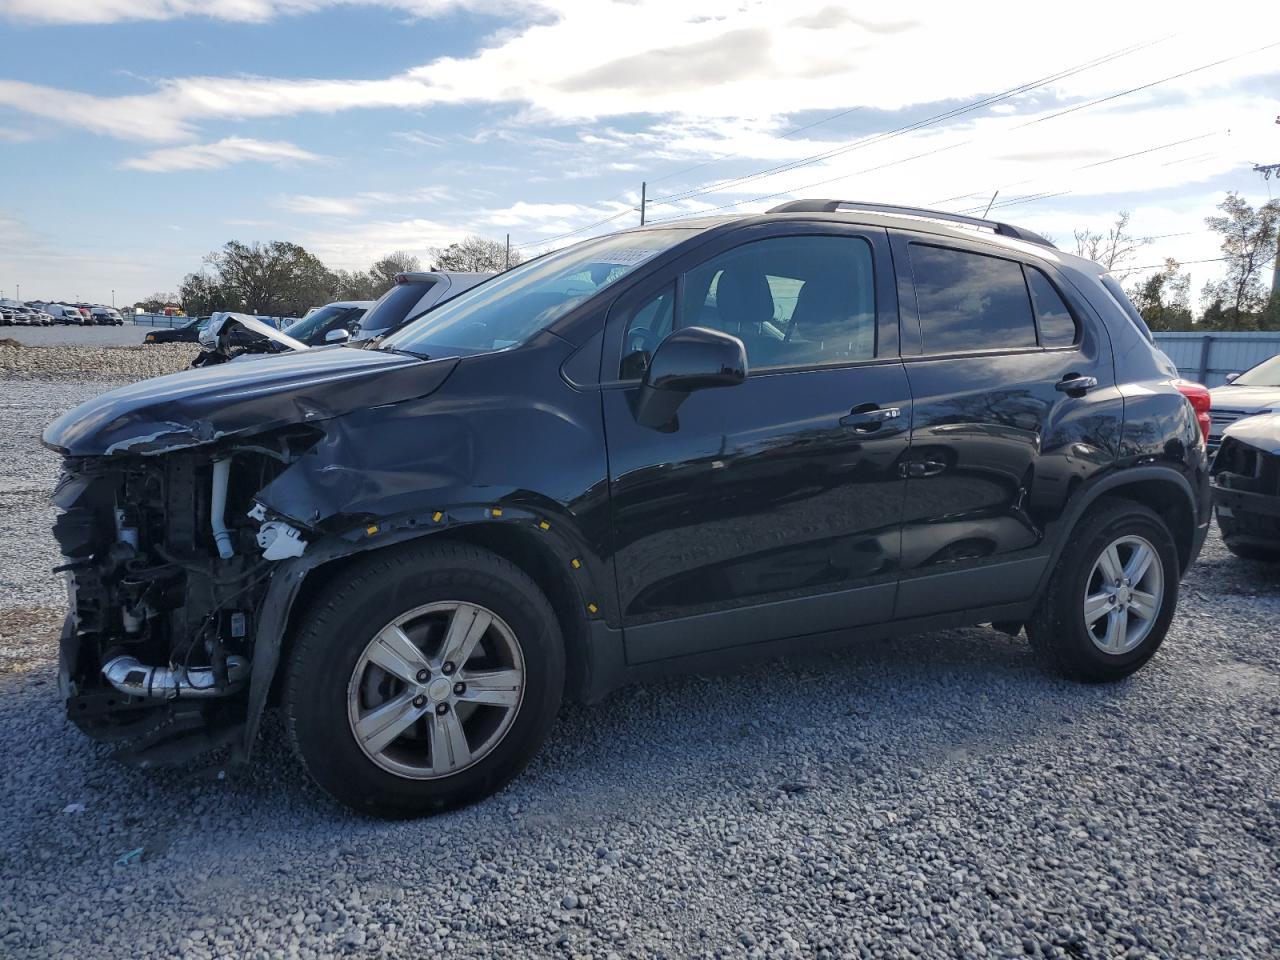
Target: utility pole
<point>643,199</point>
<point>113,299</point>
<point>508,266</point>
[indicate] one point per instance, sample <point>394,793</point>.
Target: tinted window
<point>311,330</point>
<point>793,301</point>
<point>968,301</point>
<point>645,328</point>
<point>393,307</point>
<point>1057,326</point>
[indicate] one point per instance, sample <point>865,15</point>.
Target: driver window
<point>793,301</point>
<point>646,327</point>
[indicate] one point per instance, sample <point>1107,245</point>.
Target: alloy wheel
<point>436,690</point>
<point>1123,595</point>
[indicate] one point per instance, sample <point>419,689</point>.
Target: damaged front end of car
<point>180,579</point>
<point>167,562</point>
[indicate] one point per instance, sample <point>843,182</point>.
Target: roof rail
<point>831,206</point>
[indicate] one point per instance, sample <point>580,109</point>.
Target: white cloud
<point>350,206</point>
<point>322,206</point>
<point>721,60</point>
<point>211,156</point>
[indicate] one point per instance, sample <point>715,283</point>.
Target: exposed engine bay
<point>167,563</point>
<point>230,335</point>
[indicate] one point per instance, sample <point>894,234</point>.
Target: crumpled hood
<point>203,406</point>
<point>1262,431</point>
<point>1232,397</point>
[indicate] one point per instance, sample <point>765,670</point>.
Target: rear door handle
<point>1076,384</point>
<point>868,417</point>
<point>918,469</point>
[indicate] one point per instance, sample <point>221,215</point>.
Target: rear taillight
<point>1198,395</point>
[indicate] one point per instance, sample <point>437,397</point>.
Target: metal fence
<point>1208,357</point>
<point>161,320</point>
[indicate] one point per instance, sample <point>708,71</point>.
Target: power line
<point>917,125</point>
<point>1148,86</point>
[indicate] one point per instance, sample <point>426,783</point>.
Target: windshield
<point>320,322</point>
<point>515,305</point>
<point>1265,374</point>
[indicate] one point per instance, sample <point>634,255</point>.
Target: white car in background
<point>1247,394</point>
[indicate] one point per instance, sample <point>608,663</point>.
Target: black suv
<point>665,449</point>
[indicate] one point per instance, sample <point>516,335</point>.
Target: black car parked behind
<point>665,449</point>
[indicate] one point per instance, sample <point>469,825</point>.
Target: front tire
<point>426,680</point>
<point>1112,595</point>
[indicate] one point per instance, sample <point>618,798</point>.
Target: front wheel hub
<point>422,728</point>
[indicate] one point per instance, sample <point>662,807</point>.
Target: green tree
<point>277,278</point>
<point>1163,298</point>
<point>157,302</point>
<point>474,255</point>
<point>1249,244</point>
<point>1271,313</point>
<point>201,295</point>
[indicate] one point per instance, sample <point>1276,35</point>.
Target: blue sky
<point>137,135</point>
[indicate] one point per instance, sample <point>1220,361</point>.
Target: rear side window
<point>1057,326</point>
<point>401,302</point>
<point>1121,299</point>
<point>968,301</point>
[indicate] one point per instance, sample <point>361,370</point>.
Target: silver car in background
<point>1247,394</point>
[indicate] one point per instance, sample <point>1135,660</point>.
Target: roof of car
<point>365,304</point>
<point>439,274</point>
<point>918,219</point>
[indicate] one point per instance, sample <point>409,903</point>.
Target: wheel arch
<point>524,544</point>
<point>1164,489</point>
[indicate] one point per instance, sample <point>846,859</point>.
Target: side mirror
<point>337,336</point>
<point>694,358</point>
<point>1232,377</point>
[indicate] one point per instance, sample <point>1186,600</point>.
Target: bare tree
<point>474,255</point>
<point>1114,249</point>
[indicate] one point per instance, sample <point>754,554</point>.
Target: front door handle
<point>868,417</point>
<point>1075,384</point>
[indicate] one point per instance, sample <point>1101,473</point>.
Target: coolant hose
<point>218,508</point>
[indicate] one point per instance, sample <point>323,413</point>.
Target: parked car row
<point>41,313</point>
<point>227,336</point>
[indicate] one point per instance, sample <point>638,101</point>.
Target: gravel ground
<point>938,795</point>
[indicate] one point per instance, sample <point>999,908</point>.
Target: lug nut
<point>423,676</point>
<point>448,669</point>
<point>442,709</point>
<point>459,688</point>
<point>419,700</point>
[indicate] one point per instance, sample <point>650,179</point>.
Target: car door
<point>1014,406</point>
<point>770,508</point>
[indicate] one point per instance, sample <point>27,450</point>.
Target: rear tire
<point>1091,623</point>
<point>380,640</point>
